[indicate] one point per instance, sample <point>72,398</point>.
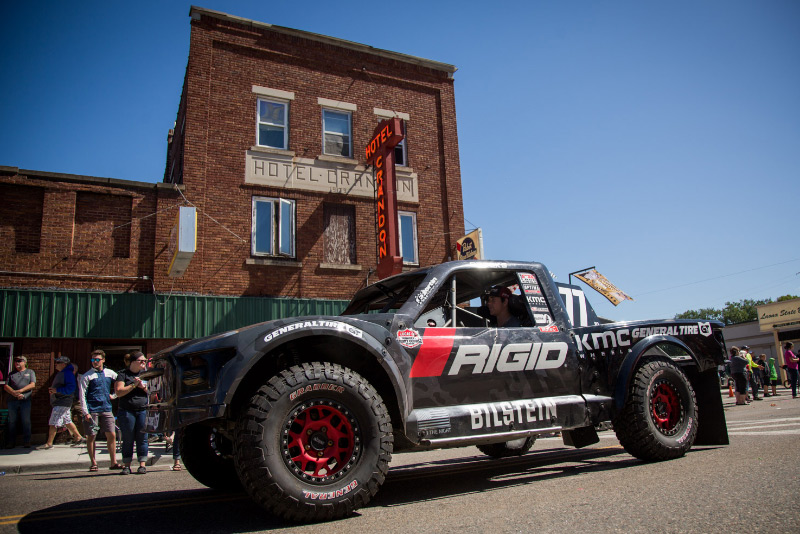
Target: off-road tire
<point>515,447</point>
<point>659,419</point>
<point>208,456</point>
<point>314,443</point>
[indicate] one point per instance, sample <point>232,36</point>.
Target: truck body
<point>305,412</point>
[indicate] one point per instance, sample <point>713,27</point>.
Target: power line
<point>715,278</point>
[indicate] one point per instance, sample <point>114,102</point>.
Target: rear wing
<point>577,305</point>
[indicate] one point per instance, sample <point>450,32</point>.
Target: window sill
<point>341,266</point>
<point>268,150</point>
<point>337,159</point>
<point>273,262</point>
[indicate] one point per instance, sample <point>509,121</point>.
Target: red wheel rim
<point>665,407</point>
<point>320,441</point>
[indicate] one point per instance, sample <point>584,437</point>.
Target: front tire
<point>659,418</point>
<point>314,443</point>
<point>506,449</point>
<point>208,456</point>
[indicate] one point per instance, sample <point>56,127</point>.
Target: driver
<point>497,302</point>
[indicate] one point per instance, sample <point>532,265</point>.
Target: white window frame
<point>285,126</point>
<point>349,115</point>
<point>280,218</point>
<point>413,216</point>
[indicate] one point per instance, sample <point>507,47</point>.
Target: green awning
<point>98,315</point>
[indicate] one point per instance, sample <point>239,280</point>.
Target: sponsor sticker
<point>326,495</point>
<point>409,338</point>
<point>548,328</point>
<point>316,387</point>
<point>424,293</point>
<point>705,329</point>
<point>342,327</point>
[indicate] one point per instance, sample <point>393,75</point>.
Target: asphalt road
<point>752,485</point>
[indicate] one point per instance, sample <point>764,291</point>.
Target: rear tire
<point>659,418</point>
<point>314,443</point>
<point>208,456</point>
<point>515,447</point>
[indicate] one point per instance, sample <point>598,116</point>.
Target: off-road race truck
<point>305,412</point>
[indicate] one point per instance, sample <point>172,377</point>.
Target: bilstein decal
<point>518,412</point>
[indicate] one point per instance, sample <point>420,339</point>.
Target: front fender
<point>268,342</point>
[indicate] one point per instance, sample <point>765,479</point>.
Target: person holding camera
<point>132,394</point>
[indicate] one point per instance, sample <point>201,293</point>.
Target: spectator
<point>132,394</point>
<point>791,360</point>
<point>773,377</point>
<point>20,388</point>
<point>763,373</point>
<point>62,396</point>
<point>738,368</point>
<point>96,393</point>
<point>173,442</point>
<point>753,370</point>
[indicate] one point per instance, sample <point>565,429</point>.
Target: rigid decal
<point>325,495</point>
<point>343,327</point>
<point>409,338</point>
<point>425,292</point>
<point>520,412</point>
<point>509,358</point>
<point>316,387</point>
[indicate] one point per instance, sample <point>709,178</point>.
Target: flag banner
<point>469,246</point>
<point>600,283</point>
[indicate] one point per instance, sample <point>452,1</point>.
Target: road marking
<point>795,432</point>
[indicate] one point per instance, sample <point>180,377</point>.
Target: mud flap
<point>712,429</point>
<point>580,437</point>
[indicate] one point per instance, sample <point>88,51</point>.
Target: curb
<point>51,467</point>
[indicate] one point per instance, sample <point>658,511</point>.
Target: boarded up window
<point>21,216</point>
<point>102,226</point>
<point>339,238</point>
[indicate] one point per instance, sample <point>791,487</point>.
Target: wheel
<point>208,456</point>
<point>515,447</point>
<point>659,418</point>
<point>314,443</point>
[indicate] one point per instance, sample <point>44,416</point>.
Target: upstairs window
<point>407,224</point>
<point>336,136</point>
<point>273,131</point>
<point>273,227</point>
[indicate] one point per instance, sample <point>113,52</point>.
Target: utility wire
<point>209,216</point>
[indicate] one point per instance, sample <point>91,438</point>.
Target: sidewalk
<point>67,458</point>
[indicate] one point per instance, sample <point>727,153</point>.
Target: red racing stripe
<point>434,352</point>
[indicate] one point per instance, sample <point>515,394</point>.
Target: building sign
<point>778,314</point>
<point>470,247</point>
<point>600,283</point>
<point>380,151</point>
<point>182,241</point>
<point>277,170</point>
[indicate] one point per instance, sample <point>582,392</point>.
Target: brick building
<point>268,146</point>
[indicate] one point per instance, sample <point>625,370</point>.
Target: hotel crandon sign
<point>323,176</point>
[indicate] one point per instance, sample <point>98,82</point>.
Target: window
<point>407,225</point>
<point>336,138</point>
<point>339,237</point>
<point>400,152</point>
<point>6,357</point>
<point>273,227</point>
<point>272,124</point>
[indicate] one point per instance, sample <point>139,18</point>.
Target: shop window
<point>6,356</point>
<point>273,227</point>
<point>336,137</point>
<point>273,130</point>
<point>407,224</point>
<point>339,236</point>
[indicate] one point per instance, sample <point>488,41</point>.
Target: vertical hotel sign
<point>380,152</point>
<point>182,241</point>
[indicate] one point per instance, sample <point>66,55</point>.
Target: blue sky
<point>658,141</point>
